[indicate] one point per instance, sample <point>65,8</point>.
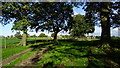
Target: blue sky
<point>6,30</point>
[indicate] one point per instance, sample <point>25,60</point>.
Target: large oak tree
<point>56,17</point>
<point>106,14</point>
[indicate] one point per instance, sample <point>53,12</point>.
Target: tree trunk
<point>105,35</point>
<point>105,26</point>
<point>23,42</point>
<point>55,36</point>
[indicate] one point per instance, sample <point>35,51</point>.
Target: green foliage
<point>21,25</point>
<point>104,13</point>
<point>81,27</point>
<point>17,10</point>
<point>33,35</point>
<point>20,13</point>
<point>42,35</point>
<point>58,18</point>
<point>18,35</point>
<point>52,35</point>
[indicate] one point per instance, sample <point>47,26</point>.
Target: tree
<point>102,13</point>
<point>81,27</point>
<point>33,35</point>
<point>18,35</point>
<point>58,17</point>
<point>43,17</point>
<point>20,12</point>
<point>11,36</point>
<point>22,25</point>
<point>52,35</point>
<point>66,36</point>
<point>42,35</point>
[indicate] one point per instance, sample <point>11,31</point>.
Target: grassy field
<point>14,41</point>
<point>6,52</point>
<point>9,41</point>
<point>67,53</point>
<point>82,53</point>
<point>20,59</point>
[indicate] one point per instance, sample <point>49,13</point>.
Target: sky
<point>6,30</point>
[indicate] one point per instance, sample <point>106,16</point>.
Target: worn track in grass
<point>7,60</point>
<point>32,60</point>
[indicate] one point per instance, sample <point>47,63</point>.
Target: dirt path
<point>32,60</point>
<point>7,60</point>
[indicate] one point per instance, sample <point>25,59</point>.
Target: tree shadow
<point>37,41</point>
<point>83,47</point>
<point>116,43</point>
<point>81,43</point>
<point>100,59</point>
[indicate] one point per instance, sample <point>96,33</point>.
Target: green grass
<point>14,41</point>
<point>39,38</point>
<point>92,39</point>
<point>20,59</point>
<point>73,53</point>
<point>6,52</point>
<point>27,55</point>
<point>76,53</point>
<point>65,53</point>
<point>10,41</point>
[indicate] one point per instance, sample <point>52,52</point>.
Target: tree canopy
<point>58,17</point>
<point>20,12</point>
<point>18,35</point>
<point>106,14</point>
<point>81,27</point>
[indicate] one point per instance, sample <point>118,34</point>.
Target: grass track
<point>20,59</point>
<point>6,52</point>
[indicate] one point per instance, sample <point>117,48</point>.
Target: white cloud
<point>114,32</point>
<point>116,29</point>
<point>75,13</point>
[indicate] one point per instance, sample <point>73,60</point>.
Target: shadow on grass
<point>81,43</point>
<point>37,41</point>
<point>116,43</point>
<point>72,50</point>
